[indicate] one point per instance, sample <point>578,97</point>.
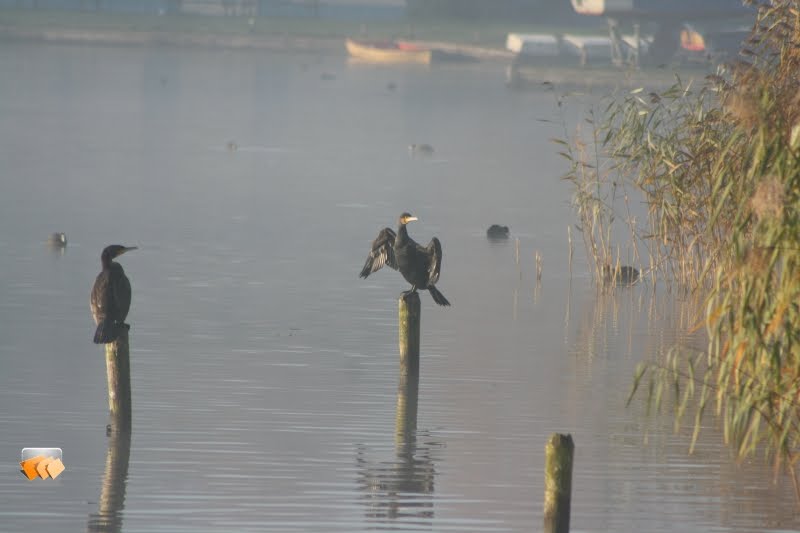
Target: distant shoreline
<point>311,36</point>
<point>285,43</point>
<point>484,40</point>
<point>149,38</point>
<point>531,77</point>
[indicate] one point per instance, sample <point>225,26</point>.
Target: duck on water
<point>620,275</point>
<point>420,150</point>
<point>497,232</point>
<point>57,240</point>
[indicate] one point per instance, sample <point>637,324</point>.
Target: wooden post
<point>409,314</point>
<point>558,483</point>
<point>405,422</point>
<point>112,494</point>
<point>118,370</point>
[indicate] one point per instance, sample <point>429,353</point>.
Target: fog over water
<point>265,372</point>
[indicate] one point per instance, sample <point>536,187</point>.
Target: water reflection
<point>623,314</point>
<point>56,251</point>
<point>401,488</point>
<point>108,518</point>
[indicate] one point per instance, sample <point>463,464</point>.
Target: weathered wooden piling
<point>558,483</point>
<point>118,371</point>
<point>406,414</point>
<point>409,311</point>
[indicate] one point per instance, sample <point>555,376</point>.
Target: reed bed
<point>717,169</point>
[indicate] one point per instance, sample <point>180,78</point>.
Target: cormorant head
<point>114,250</point>
<point>405,218</point>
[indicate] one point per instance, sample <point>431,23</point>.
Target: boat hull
<point>387,53</point>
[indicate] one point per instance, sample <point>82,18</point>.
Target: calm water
<point>264,371</point>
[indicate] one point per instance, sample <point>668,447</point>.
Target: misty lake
<point>265,372</point>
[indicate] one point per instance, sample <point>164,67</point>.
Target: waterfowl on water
<point>110,300</point>
<point>57,240</point>
<point>497,232</point>
<point>420,150</point>
<point>420,266</point>
<point>621,275</point>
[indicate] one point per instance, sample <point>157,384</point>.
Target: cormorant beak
<point>411,219</point>
<point>127,249</point>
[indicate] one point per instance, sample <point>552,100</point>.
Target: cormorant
<point>57,240</point>
<point>111,296</point>
<point>424,150</point>
<point>419,266</point>
<point>497,232</point>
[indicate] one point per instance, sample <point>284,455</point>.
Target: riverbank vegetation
<point>718,170</point>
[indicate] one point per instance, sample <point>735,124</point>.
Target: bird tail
<point>107,331</point>
<point>438,297</point>
<point>366,271</point>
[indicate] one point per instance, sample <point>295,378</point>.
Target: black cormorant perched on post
<point>111,296</point>
<point>419,266</point>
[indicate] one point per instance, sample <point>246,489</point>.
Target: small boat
<point>387,52</point>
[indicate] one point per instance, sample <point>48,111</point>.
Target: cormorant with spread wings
<point>420,266</point>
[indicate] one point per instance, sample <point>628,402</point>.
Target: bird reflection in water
<point>108,518</point>
<point>402,488</point>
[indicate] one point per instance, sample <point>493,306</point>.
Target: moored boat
<point>387,52</point>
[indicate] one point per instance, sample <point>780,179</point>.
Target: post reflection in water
<point>108,518</point>
<point>400,489</point>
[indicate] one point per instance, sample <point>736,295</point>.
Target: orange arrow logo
<point>42,462</point>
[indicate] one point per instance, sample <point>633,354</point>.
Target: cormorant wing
<point>382,253</point>
<point>434,253</point>
<point>97,301</point>
<point>121,287</point>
